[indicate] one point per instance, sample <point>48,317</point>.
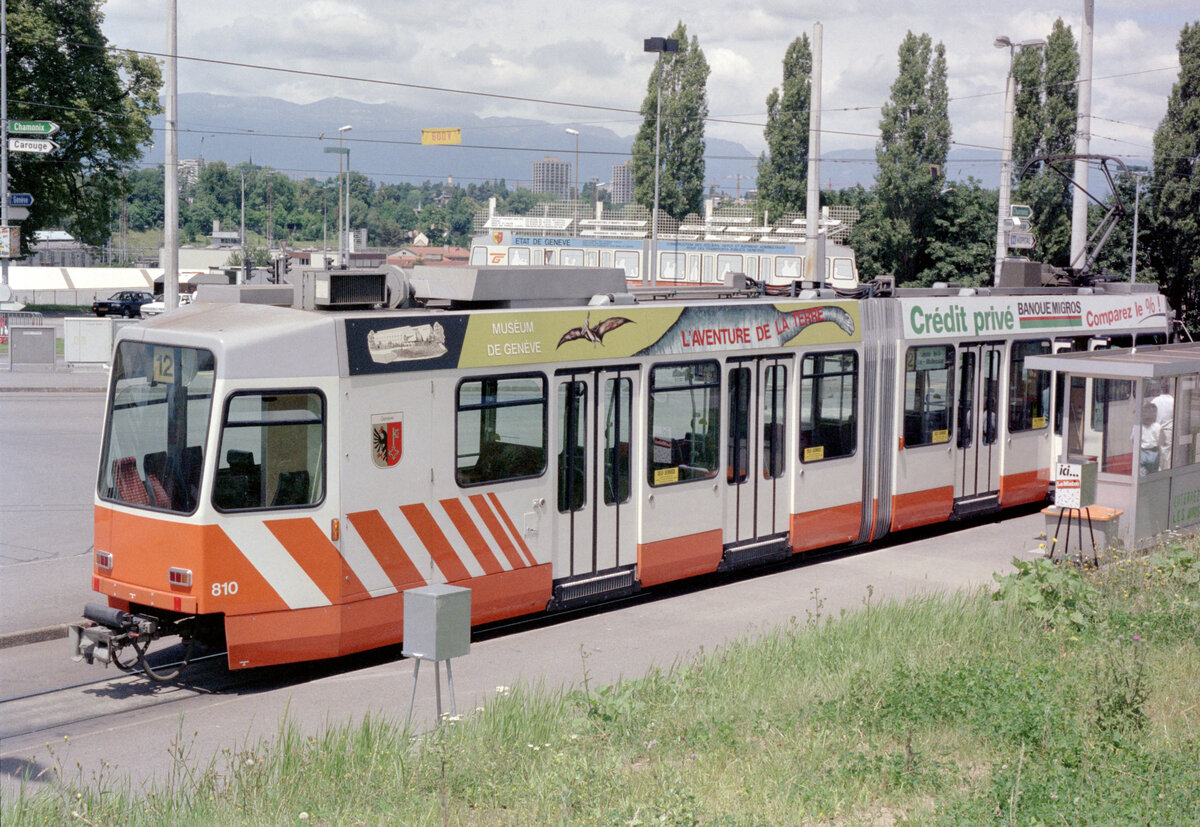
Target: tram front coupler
<point>107,632</point>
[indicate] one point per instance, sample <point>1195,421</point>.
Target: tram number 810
<point>224,589</point>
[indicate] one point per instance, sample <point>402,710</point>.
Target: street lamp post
<point>575,199</point>
<point>1137,191</point>
<point>1010,106</point>
<point>658,45</point>
<point>341,253</point>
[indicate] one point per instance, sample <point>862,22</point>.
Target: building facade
<point>552,175</point>
<point>622,183</point>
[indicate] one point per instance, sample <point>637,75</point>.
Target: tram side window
<point>828,405</point>
<point>727,264</point>
<point>708,269</point>
<point>572,455</point>
<point>518,255</point>
<point>500,429</point>
<point>774,418</point>
<point>789,267</point>
<point>672,266</point>
<point>1028,390</point>
<point>617,423</point>
<point>572,258</point>
<point>928,388</point>
<point>628,261</point>
<point>685,422</point>
<point>478,256</point>
<point>272,452</point>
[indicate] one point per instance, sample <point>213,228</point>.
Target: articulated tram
<point>276,477</point>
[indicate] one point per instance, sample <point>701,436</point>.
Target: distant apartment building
<point>552,175</point>
<point>622,183</point>
<point>189,171</point>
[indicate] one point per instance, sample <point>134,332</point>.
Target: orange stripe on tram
<point>319,558</point>
<point>498,533</point>
<point>457,513</point>
<point>435,542</point>
<point>382,543</point>
<point>508,522</point>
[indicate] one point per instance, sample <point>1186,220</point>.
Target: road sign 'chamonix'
<point>45,128</point>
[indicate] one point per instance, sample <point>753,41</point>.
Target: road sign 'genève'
<point>46,128</point>
<point>1020,211</point>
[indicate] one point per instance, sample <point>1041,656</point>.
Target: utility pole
<point>1083,128</point>
<point>815,264</point>
<point>171,174</point>
<point>1010,106</point>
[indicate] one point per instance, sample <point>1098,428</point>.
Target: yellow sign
<point>942,435</point>
<point>164,364</point>
<point>814,453</point>
<point>1039,422</point>
<point>441,137</point>
<point>663,476</point>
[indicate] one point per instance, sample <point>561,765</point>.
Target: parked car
<point>127,303</point>
<point>157,306</point>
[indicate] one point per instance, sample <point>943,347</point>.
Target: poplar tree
<point>914,141</point>
<point>681,146</point>
<point>1173,243</point>
<point>1044,125</point>
<point>60,69</point>
<point>783,168</point>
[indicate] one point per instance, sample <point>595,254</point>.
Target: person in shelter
<point>1151,440</point>
<point>1165,403</point>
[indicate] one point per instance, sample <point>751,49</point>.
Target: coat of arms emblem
<point>387,444</point>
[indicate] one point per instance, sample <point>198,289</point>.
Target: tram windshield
<point>156,426</point>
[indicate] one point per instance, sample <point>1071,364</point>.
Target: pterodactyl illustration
<point>595,335</point>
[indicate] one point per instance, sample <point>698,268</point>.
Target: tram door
<point>977,420</point>
<point>593,451</point>
<point>756,457</point>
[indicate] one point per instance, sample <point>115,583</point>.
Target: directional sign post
<point>37,145</point>
<point>1021,241</point>
<point>20,199</point>
<point>43,128</point>
<point>1020,211</point>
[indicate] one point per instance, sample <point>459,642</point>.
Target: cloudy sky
<point>590,54</point>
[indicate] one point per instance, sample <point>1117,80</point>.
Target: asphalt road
<point>49,447</point>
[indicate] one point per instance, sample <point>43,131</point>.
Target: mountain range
<point>385,144</point>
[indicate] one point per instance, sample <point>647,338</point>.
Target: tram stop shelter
<point>1135,414</point>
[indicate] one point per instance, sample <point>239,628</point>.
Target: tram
<point>682,260</point>
<point>276,477</point>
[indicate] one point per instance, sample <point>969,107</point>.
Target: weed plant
<point>1068,696</point>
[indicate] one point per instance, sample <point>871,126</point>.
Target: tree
<point>962,246</point>
<point>914,141</point>
<point>681,144</point>
<point>783,168</point>
<point>1173,245</point>
<point>60,69</point>
<point>1044,125</point>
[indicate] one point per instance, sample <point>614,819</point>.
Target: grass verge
<point>1068,697</point>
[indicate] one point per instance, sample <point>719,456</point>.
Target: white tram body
<point>686,261</point>
<point>281,476</point>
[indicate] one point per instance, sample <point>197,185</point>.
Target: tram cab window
<point>685,422</point>
<point>500,428</point>
<point>843,269</point>
<point>478,256</point>
<point>628,260</point>
<point>518,255</point>
<point>572,258</point>
<point>272,451</point>
<point>928,388</point>
<point>157,426</point>
<point>828,406</point>
<point>1028,390</point>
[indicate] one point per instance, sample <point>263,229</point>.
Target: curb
<point>33,636</point>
